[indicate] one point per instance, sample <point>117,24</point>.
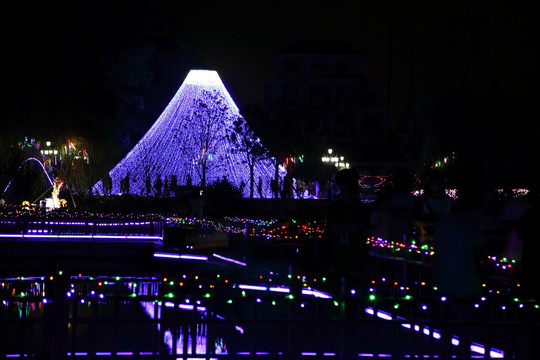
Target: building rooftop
<point>321,47</point>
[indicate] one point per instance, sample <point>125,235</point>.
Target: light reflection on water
<point>101,313</point>
<point>199,331</point>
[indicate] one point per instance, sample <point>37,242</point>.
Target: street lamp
<point>333,160</point>
<point>336,160</point>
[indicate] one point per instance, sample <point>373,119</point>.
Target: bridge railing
<point>56,227</point>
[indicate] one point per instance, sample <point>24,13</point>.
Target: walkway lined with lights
<point>237,309</point>
<point>222,305</point>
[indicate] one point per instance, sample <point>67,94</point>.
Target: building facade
<point>330,80</point>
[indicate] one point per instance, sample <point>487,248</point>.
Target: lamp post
<point>338,162</point>
<point>335,160</point>
<point>50,152</point>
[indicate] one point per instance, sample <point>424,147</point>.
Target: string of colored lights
<point>399,248</point>
<point>272,287</point>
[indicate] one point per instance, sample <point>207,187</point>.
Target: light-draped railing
<point>51,229</point>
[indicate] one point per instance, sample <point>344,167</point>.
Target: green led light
<point>323,279</point>
<point>336,303</point>
<point>243,293</point>
<point>408,297</point>
<point>396,306</point>
<point>171,282</point>
<point>133,295</point>
<point>229,301</point>
<point>516,299</point>
<point>372,297</point>
<point>289,276</point>
<point>207,295</point>
<point>117,278</point>
<point>273,302</point>
<point>60,272</point>
<point>170,295</point>
<point>290,296</point>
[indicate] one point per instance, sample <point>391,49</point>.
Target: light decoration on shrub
<point>452,193</point>
<point>396,247</point>
<point>520,192</point>
<point>173,147</point>
<point>371,181</point>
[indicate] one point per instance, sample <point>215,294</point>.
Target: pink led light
<point>194,257</point>
<point>477,348</point>
<point>369,310</point>
<point>384,315</point>
<point>496,353</point>
<point>167,255</point>
<point>280,289</point>
<point>316,293</point>
<point>229,260</point>
<point>252,287</point>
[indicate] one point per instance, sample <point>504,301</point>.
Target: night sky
<point>119,62</point>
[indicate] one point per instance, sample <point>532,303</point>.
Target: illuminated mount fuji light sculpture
<point>161,151</point>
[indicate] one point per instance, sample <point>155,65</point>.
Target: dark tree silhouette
<point>244,141</point>
<point>285,129</point>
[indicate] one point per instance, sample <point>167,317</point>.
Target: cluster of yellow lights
<point>337,161</point>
